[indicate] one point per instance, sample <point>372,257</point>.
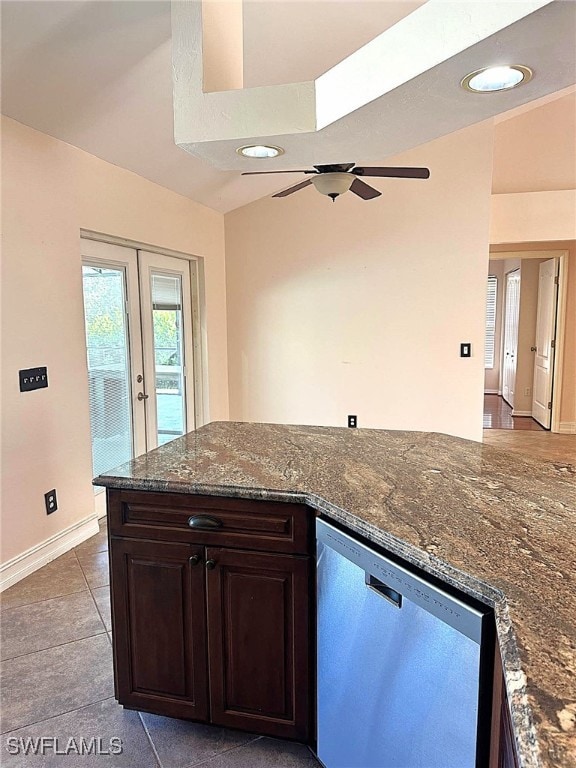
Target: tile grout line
<point>43,599</point>
<point>59,645</point>
<point>99,586</point>
<point>94,599</point>
<point>67,712</point>
<point>149,737</point>
<point>91,594</point>
<point>224,752</point>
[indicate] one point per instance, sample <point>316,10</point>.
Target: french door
<point>138,322</point>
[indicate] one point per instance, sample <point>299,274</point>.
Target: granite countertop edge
<point>524,729</point>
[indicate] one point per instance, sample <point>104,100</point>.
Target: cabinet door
<point>159,627</point>
<point>258,642</point>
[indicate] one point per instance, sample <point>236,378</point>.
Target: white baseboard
<point>100,504</point>
<point>567,428</point>
<point>491,392</point>
<point>23,565</point>
<point>521,413</point>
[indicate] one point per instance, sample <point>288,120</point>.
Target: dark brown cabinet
<point>258,641</point>
<point>159,635</point>
<point>213,633</point>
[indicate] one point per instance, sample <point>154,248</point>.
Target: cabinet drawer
<point>260,525</point>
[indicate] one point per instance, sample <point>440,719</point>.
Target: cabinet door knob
<point>194,560</point>
<point>204,522</point>
<point>210,564</point>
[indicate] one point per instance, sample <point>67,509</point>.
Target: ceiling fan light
<point>333,184</point>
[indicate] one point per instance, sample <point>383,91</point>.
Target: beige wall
<point>50,191</point>
<point>492,375</point>
<point>536,151</point>
<point>533,217</point>
<point>360,307</point>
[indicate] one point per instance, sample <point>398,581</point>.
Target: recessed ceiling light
<point>493,79</point>
<point>260,150</point>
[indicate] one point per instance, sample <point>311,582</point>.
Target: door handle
<point>383,590</point>
<point>533,349</point>
<point>142,396</point>
<point>204,522</point>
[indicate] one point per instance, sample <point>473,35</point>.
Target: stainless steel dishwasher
<point>404,668</point>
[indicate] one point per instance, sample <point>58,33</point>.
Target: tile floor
<point>542,445</point>
<point>56,682</point>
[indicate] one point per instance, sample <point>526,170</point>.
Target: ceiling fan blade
<point>260,173</point>
<point>398,173</point>
<point>365,191</point>
<point>293,189</point>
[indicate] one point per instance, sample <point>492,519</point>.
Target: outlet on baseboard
<point>51,501</point>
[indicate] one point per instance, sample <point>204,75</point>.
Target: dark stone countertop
<point>498,526</point>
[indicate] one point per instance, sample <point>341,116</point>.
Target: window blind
<point>491,297</point>
<point>166,292</point>
<point>108,367</point>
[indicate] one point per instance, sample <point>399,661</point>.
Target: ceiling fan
<point>334,180</point>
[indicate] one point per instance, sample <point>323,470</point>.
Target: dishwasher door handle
<point>383,590</point>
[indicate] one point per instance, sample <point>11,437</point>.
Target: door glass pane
<point>108,367</point>
<point>168,356</point>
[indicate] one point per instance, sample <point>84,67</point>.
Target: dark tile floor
<point>56,682</point>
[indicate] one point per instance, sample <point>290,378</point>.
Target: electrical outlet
<point>526,391</point>
<point>353,421</point>
<point>50,501</point>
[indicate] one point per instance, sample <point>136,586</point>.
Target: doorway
<point>523,382</point>
<point>138,308</point>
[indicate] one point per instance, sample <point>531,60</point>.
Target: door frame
<point>199,335</point>
<point>510,251</point>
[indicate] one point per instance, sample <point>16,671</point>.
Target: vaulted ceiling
<point>98,75</point>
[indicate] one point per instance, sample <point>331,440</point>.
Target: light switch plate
<point>33,378</point>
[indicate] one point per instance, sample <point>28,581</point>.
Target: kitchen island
<point>498,527</point>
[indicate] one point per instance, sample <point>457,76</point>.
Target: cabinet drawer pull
<point>204,522</point>
<point>194,560</point>
<point>210,564</point>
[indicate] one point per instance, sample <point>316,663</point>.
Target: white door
<point>138,323</point>
<point>510,351</point>
<point>545,332</point>
<point>168,349</point>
